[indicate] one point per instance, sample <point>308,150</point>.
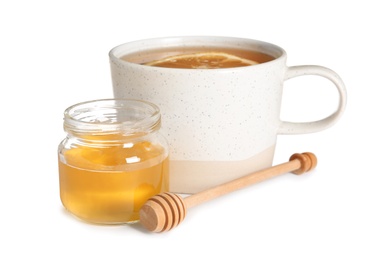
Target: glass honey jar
<point>112,160</point>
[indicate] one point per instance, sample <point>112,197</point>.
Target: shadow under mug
<point>221,124</point>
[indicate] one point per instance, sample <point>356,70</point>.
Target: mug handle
<point>319,125</point>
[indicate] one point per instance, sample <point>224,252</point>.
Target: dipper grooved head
<point>162,212</point>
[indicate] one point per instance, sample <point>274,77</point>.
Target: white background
<point>54,54</point>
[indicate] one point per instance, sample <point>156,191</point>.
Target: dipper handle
<point>298,164</point>
<point>166,210</point>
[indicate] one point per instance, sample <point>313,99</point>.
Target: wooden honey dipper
<point>166,210</point>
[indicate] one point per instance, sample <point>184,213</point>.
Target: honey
<point>112,160</point>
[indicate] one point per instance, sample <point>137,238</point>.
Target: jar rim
<point>111,116</point>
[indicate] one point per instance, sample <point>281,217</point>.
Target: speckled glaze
<point>220,123</point>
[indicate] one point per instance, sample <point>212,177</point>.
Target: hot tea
<point>198,57</point>
<point>221,123</point>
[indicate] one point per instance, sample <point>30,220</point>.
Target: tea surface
<point>248,57</point>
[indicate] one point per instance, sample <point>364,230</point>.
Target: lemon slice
<point>202,60</point>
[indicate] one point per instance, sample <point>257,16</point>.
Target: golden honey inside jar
<point>112,160</point>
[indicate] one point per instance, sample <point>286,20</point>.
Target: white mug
<point>221,124</point>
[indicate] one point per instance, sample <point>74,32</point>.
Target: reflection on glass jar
<point>112,160</point>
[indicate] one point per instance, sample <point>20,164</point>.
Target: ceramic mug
<point>221,124</point>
